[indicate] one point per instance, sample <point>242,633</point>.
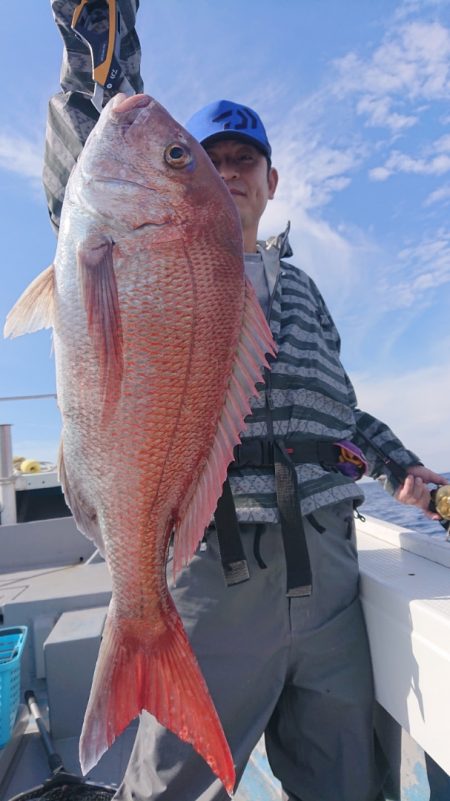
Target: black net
<point>67,792</point>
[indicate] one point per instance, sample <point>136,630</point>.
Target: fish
<point>160,344</point>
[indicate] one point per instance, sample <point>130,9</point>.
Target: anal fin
<point>84,514</point>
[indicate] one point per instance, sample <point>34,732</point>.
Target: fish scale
<point>159,342</point>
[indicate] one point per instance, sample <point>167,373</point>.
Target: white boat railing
<point>28,397</point>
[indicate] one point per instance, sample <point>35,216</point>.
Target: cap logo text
<point>239,119</point>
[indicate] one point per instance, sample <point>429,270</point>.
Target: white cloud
<point>328,256</point>
<point>441,195</point>
<point>398,162</point>
<point>379,174</point>
<point>21,156</point>
<point>431,251</point>
<point>312,170</point>
<point>379,113</point>
<point>442,145</point>
<point>417,273</point>
<point>411,65</point>
<point>415,405</point>
<point>406,8</point>
<point>393,88</point>
<point>314,163</point>
<point>434,159</point>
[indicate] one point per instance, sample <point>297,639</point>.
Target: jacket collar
<point>272,250</point>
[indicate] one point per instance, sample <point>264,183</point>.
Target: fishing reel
<point>440,501</point>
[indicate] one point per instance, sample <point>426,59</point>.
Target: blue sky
<point>355,98</point>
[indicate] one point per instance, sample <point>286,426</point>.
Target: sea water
<point>379,503</point>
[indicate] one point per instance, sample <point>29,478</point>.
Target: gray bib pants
<point>297,670</point>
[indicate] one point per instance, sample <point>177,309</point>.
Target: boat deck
<point>63,599</point>
<point>25,765</point>
<point>405,590</point>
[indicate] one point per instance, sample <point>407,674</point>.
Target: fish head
<point>142,168</point>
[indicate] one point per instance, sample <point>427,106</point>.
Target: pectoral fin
<point>34,309</point>
<point>101,301</point>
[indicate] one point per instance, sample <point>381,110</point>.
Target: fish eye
<point>177,155</point>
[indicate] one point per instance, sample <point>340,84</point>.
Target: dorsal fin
<point>254,342</point>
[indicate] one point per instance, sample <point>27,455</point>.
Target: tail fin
<point>161,676</point>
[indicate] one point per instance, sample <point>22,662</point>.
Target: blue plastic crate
<point>12,641</point>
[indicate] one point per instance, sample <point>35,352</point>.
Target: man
<point>284,653</point>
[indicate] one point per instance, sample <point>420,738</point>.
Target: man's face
<point>245,171</point>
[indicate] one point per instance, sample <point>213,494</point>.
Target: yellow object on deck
<point>30,466</point>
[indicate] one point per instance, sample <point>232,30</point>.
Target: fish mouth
<point>126,103</point>
<point>126,110</point>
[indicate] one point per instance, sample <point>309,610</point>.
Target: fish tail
<point>161,676</point>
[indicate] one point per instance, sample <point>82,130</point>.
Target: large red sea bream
<point>159,341</point>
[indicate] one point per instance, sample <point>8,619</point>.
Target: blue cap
<point>224,119</point>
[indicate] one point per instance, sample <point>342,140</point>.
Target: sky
<point>355,96</point>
